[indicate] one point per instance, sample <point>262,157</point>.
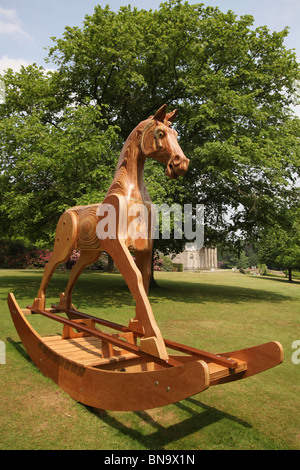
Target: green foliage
<point>51,159</point>
<point>167,264</point>
<point>178,267</point>
<point>263,269</point>
<point>17,253</point>
<point>12,247</point>
<point>246,258</point>
<point>280,249</point>
<point>231,82</point>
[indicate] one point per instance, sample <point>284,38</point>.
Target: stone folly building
<point>194,259</point>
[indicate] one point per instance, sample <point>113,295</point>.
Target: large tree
<point>232,84</point>
<point>280,248</point>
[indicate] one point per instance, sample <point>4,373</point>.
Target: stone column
<point>202,258</point>
<point>216,258</point>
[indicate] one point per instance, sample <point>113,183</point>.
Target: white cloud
<point>16,64</point>
<point>10,63</point>
<point>10,23</point>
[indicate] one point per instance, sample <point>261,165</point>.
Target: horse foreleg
<point>152,341</point>
<point>86,258</point>
<point>143,261</point>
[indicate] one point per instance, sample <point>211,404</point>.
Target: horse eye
<point>160,134</point>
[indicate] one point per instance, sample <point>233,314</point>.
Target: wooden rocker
<point>130,369</point>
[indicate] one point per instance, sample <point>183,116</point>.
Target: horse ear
<point>171,116</point>
<point>161,113</point>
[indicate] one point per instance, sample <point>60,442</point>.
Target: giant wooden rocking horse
<point>130,369</point>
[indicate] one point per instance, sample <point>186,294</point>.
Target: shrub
<point>157,262</point>
<point>263,269</point>
<point>167,263</point>
<point>73,259</point>
<point>19,254</point>
<point>178,267</point>
<point>162,263</point>
<point>37,258</point>
<point>101,264</point>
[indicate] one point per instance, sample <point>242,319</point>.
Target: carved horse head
<point>159,141</point>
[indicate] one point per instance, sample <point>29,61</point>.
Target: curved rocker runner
<point>131,368</point>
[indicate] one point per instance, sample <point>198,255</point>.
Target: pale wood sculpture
<point>113,371</point>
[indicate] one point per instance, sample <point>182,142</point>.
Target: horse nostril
<point>176,160</point>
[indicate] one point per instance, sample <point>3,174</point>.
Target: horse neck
<point>129,176</point>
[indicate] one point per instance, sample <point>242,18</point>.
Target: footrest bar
<point>107,337</point>
<point>206,356</point>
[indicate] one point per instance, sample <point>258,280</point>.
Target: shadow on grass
<point>200,416</point>
<point>19,347</point>
<point>96,289</point>
<point>279,279</point>
<point>92,289</point>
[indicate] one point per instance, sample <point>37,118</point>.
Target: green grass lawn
<point>217,311</point>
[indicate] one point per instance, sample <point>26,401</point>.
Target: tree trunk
<point>290,274</point>
<point>110,265</point>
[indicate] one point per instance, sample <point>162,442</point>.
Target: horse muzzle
<point>177,166</point>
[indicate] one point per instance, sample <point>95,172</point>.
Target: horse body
<point>77,227</point>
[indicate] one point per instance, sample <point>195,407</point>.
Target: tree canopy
<point>51,157</point>
<point>232,83</point>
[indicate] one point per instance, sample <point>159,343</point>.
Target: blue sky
<point>26,26</point>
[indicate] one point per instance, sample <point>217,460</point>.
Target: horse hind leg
<point>65,240</point>
<point>86,258</point>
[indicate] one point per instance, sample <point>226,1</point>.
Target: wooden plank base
<point>87,352</point>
